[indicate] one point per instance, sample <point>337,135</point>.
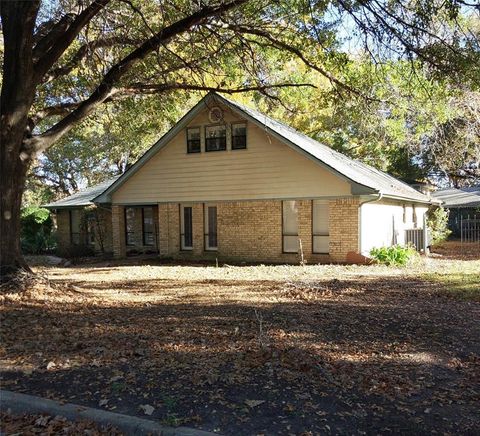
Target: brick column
<point>198,231</point>
<point>305,227</point>
<point>163,229</point>
<point>174,227</point>
<point>344,230</point>
<point>63,229</point>
<point>118,231</point>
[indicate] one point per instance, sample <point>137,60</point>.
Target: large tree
<point>65,59</point>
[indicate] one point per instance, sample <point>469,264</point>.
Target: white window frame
<point>184,247</point>
<point>322,236</point>
<point>292,233</point>
<point>206,220</point>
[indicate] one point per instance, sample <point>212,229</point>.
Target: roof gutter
<point>371,200</point>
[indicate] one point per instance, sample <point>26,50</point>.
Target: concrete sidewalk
<point>131,425</point>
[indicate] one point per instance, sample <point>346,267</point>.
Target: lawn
<point>255,349</point>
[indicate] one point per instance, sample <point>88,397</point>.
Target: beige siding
<point>380,220</point>
<point>266,169</point>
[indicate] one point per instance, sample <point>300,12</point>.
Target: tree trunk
<point>18,92</point>
<point>12,182</point>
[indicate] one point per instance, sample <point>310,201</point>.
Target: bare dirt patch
<point>249,350</point>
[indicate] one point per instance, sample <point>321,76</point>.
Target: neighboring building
<point>228,182</point>
<point>462,203</point>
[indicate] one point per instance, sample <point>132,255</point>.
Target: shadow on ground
<point>243,357</point>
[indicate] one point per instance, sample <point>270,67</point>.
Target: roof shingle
<point>82,198</point>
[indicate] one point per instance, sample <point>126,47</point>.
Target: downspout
<point>372,200</point>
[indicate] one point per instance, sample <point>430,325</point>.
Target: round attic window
<point>215,115</point>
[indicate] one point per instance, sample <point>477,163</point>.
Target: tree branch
<point>50,111</point>
<point>139,88</point>
<point>294,50</point>
<point>106,88</point>
<point>83,51</point>
<point>49,49</point>
<point>151,89</point>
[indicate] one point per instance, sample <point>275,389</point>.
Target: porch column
<point>118,231</point>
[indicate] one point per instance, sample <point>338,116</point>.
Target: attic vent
<point>215,115</point>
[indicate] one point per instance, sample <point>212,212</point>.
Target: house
<point>230,183</point>
<point>463,203</point>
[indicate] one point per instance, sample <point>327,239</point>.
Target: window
<point>91,221</point>
<point>404,214</point>
<point>320,223</point>
<point>75,224</point>
<point>186,228</point>
<point>147,226</point>
<point>414,216</point>
<point>210,228</point>
<point>215,138</point>
<point>239,136</point>
<point>290,227</point>
<point>193,140</point>
<point>129,226</point>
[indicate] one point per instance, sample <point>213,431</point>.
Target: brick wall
<point>247,231</point>
<point>120,247</point>
<point>252,231</point>
<point>169,228</point>
<point>63,230</point>
<point>103,230</point>
<point>118,231</point>
<point>344,230</point>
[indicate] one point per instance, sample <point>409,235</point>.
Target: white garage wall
<point>379,221</point>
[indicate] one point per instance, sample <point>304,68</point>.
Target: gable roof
<point>354,170</point>
<point>363,178</point>
<point>82,198</point>
<point>458,198</point>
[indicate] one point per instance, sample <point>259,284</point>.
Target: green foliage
<point>397,128</point>
<point>437,222</point>
<point>396,255</point>
<point>36,231</point>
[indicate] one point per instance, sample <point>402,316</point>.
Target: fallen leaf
<point>147,409</point>
<point>254,403</point>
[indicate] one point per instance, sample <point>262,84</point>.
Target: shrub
<point>36,230</point>
<point>394,255</point>
<point>437,223</point>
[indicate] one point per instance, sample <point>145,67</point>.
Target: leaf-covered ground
<point>254,350</point>
<point>43,424</point>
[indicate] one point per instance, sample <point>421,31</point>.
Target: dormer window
<point>215,138</point>
<point>239,136</point>
<point>193,140</point>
